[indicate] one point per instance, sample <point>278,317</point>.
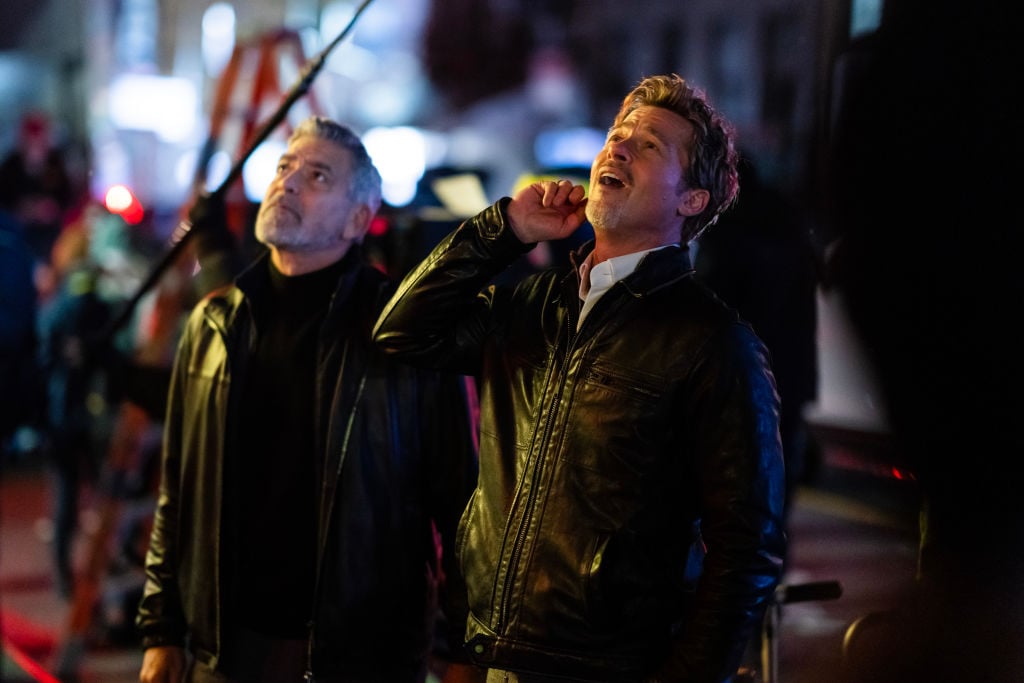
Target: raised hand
<point>547,210</point>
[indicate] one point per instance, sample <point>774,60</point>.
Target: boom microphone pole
<point>181,233</point>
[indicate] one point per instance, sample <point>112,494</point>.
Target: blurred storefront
<point>131,83</point>
<point>500,88</point>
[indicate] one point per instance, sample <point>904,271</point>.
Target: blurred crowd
<point>67,268</point>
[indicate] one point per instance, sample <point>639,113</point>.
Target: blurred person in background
<point>75,397</point>
<point>20,389</point>
<point>35,185</point>
<point>304,475</point>
<point>927,128</point>
<point>627,523</point>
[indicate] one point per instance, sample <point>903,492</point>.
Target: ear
<point>358,223</point>
<point>693,202</point>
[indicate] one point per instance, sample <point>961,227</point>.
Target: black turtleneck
<point>275,463</point>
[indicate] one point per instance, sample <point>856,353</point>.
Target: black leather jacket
<point>396,456</point>
<point>601,453</point>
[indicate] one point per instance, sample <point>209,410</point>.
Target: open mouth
<point>609,180</point>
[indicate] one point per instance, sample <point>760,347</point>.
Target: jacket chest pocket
<point>620,422</point>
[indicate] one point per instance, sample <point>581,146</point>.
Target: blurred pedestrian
<point>74,386</point>
<point>304,474</point>
<point>21,392</point>
<point>933,286</point>
<point>35,185</point>
<point>627,524</point>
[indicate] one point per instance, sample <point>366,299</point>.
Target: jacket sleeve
<point>440,313</point>
<point>735,409</point>
<point>160,618</point>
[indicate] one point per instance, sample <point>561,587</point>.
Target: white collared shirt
<point>596,280</point>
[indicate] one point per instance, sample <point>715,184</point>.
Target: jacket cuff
<point>160,640</point>
<point>492,225</point>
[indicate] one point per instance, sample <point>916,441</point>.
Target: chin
<point>601,216</point>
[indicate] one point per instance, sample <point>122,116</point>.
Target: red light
<point>899,473</point>
<point>378,226</point>
<point>121,201</point>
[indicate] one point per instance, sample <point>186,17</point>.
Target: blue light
<point>568,147</point>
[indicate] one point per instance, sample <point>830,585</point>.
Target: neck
<point>606,247</point>
<point>293,263</point>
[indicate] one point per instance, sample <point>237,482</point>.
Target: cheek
<point>272,188</point>
<point>594,173</point>
<point>666,193</point>
<point>326,207</point>
<point>672,183</point>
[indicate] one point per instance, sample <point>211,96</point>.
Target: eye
<point>316,175</point>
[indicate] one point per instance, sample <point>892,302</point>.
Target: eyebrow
<point>650,130</point>
<point>315,163</point>
<point>667,140</point>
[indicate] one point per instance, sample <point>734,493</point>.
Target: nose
<point>288,179</point>
<point>618,149</point>
<point>286,175</point>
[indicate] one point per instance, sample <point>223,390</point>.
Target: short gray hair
<point>366,183</point>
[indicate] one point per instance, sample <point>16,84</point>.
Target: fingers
<point>547,209</point>
<point>558,193</point>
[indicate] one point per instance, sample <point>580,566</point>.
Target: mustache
<point>279,202</point>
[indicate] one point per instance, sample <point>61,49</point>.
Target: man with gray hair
<point>304,474</point>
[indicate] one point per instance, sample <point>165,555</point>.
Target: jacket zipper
<point>524,523</point>
<point>327,503</point>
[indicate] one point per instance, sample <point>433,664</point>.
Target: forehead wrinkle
<point>312,162</point>
<point>645,126</point>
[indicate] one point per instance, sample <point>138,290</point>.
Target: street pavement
<point>854,523</point>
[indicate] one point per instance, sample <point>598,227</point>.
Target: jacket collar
<point>254,280</point>
<point>657,269</point>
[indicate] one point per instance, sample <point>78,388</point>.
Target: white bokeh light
<point>218,41</point>
<point>163,105</point>
<point>261,166</point>
<point>400,156</point>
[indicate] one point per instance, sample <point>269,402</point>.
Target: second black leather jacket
<point>395,459</point>
<point>602,451</point>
